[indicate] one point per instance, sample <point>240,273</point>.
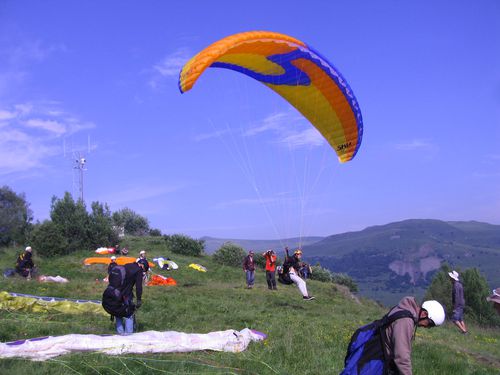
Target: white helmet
<point>435,311</point>
<point>28,248</point>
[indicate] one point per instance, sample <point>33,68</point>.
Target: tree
<point>133,223</point>
<point>15,217</point>
<point>48,239</point>
<point>101,226</point>
<point>185,245</point>
<point>229,254</point>
<point>73,220</point>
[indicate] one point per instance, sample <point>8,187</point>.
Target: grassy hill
<point>389,261</point>
<point>304,337</point>
<point>213,244</point>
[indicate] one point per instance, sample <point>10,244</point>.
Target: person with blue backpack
<point>384,346</point>
<point>118,298</point>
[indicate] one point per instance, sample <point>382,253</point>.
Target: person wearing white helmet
<point>24,263</point>
<point>398,335</point>
<point>112,264</point>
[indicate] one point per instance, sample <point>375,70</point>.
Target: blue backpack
<point>365,353</point>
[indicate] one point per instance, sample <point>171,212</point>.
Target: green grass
<point>304,337</point>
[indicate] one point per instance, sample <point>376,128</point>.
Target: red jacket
<point>270,262</point>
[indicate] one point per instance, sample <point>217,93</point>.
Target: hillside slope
<point>391,260</point>
<point>213,244</point>
<point>305,337</point>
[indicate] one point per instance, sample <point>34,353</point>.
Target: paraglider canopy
<point>295,71</point>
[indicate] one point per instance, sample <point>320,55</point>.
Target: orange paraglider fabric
<point>120,261</point>
<point>161,280</point>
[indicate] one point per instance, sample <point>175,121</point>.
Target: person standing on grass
<point>458,300</point>
<point>133,277</point>
<point>249,269</point>
<point>291,266</point>
<point>270,257</point>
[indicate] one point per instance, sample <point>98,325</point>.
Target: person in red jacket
<point>270,257</point>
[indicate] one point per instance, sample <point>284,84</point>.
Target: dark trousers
<point>271,279</point>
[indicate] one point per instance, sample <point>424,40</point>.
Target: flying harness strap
<point>365,353</point>
<point>113,300</point>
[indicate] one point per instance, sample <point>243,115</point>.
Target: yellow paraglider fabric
<point>27,304</point>
<point>198,267</point>
<point>296,72</point>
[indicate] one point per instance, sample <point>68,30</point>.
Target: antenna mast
<point>80,163</point>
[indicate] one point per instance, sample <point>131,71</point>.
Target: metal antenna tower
<point>79,166</point>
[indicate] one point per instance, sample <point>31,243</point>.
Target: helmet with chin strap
<point>435,312</point>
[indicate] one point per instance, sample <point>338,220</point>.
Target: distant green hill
<point>395,259</point>
<point>213,244</point>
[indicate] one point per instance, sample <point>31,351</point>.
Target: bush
<point>48,240</point>
<point>346,280</point>
<point>155,233</point>
<point>230,254</point>
<point>321,274</point>
<point>185,245</point>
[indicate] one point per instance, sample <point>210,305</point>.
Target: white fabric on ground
<point>41,349</point>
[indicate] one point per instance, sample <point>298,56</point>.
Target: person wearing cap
<point>112,264</point>
<point>291,266</point>
<point>495,298</point>
<point>133,277</point>
<point>458,300</point>
<point>249,269</point>
<point>24,263</point>
<point>398,335</point>
<point>270,257</point>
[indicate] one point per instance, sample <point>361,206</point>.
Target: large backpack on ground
<point>113,300</point>
<point>365,353</point>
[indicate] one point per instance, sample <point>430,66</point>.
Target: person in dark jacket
<point>133,277</point>
<point>112,264</point>
<point>398,335</point>
<point>24,263</point>
<point>458,300</point>
<point>249,269</point>
<point>291,266</point>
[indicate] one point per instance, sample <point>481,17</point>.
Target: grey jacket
<point>457,295</point>
<point>399,335</point>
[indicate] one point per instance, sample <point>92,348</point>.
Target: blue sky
<point>230,158</point>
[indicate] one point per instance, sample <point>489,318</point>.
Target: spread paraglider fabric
<point>197,267</point>
<point>161,280</point>
<point>30,303</point>
<point>296,72</point>
<point>144,342</point>
<point>120,261</point>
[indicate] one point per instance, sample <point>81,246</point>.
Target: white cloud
<point>30,134</point>
<point>139,193</point>
<point>307,137</point>
<point>50,126</point>
<point>172,64</point>
<point>6,115</point>
<point>415,145</point>
<point>215,134</point>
